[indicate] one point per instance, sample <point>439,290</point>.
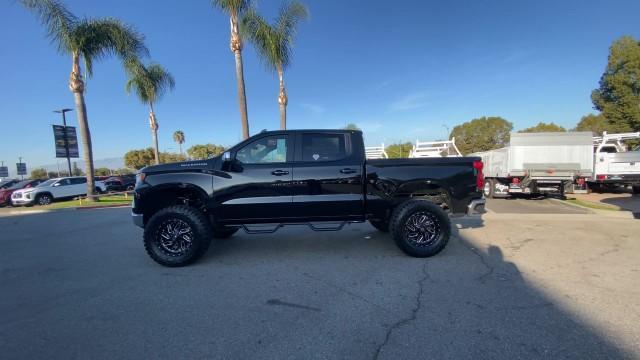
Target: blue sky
<point>399,69</point>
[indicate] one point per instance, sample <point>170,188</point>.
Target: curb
<point>620,213</point>
<point>102,207</point>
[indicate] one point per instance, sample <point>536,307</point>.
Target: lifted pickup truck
<point>318,178</point>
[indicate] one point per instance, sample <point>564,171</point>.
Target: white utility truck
<point>538,163</point>
<point>375,152</point>
<point>613,164</point>
<point>445,148</point>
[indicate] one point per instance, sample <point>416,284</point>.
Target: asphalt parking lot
<point>77,284</point>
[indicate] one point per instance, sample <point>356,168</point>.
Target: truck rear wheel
<point>489,188</point>
<point>177,236</point>
<point>380,225</point>
<point>420,228</point>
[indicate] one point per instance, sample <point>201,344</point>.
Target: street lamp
<point>448,133</point>
<point>66,142</point>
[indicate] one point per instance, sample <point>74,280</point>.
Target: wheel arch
<point>163,195</point>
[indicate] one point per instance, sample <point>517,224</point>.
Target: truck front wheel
<point>177,235</point>
<point>420,228</point>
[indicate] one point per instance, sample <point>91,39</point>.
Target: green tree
<point>594,123</point>
<point>40,173</point>
<point>137,159</point>
<point>124,171</point>
<point>351,126</point>
<point>168,157</point>
<point>399,150</point>
<point>55,174</point>
<point>544,127</point>
<point>482,134</point>
<point>274,43</point>
<point>149,83</point>
<point>234,9</point>
<point>618,97</point>
<point>102,171</point>
<point>85,40</point>
<point>178,137</point>
<point>206,151</point>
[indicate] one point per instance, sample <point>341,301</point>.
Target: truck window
<point>323,147</point>
<point>269,149</point>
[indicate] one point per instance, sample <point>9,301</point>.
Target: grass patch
<point>103,201</point>
<point>593,205</point>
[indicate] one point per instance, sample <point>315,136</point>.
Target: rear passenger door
<point>327,177</point>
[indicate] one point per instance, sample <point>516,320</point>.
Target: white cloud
<point>411,101</point>
<point>313,107</point>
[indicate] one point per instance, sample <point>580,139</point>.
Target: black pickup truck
<point>318,178</point>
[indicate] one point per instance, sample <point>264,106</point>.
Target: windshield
<point>47,183</point>
<point>20,185</point>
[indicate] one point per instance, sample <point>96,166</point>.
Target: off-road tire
<point>381,225</point>
<point>200,227</point>
<point>224,232</point>
<point>435,214</point>
<point>43,199</point>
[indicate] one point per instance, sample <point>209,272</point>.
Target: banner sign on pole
<point>71,141</point>
<point>4,171</point>
<point>22,168</point>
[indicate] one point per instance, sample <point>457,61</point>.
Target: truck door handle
<point>348,171</point>
<point>279,172</point>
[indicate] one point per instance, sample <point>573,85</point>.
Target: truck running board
<point>315,226</point>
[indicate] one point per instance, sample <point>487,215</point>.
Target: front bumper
<point>138,219</point>
<point>476,207</point>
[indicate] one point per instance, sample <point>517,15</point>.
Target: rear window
<point>76,181</point>
<point>323,147</point>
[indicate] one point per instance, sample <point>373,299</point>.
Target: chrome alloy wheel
<point>175,237</point>
<point>422,229</point>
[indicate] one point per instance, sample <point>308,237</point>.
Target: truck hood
<point>191,165</point>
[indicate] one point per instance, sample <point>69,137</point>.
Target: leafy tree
<point>149,83</point>
<point>178,137</point>
<point>55,174</point>
<point>618,97</point>
<point>482,134</point>
<point>167,157</point>
<point>124,171</point>
<point>85,40</point>
<point>594,123</point>
<point>234,9</point>
<point>206,151</point>
<point>399,150</point>
<point>137,159</point>
<point>273,43</point>
<point>103,171</point>
<point>544,127</point>
<point>40,173</point>
<point>351,126</point>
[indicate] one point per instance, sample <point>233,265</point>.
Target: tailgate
<point>625,163</point>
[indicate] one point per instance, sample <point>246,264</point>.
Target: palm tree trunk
<point>76,85</point>
<point>236,48</point>
<point>282,99</point>
<point>153,124</point>
<point>180,147</point>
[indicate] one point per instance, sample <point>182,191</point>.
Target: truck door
<point>327,177</point>
<point>260,185</point>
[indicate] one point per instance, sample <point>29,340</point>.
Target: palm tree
<point>150,83</point>
<point>178,137</point>
<point>274,42</point>
<point>87,40</point>
<point>235,8</point>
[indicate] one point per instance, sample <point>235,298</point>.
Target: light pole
<point>66,142</point>
<point>446,127</point>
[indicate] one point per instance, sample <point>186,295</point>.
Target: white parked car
<point>54,189</point>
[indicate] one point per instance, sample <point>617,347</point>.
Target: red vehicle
<point>5,193</point>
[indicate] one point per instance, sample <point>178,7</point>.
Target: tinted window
<point>270,149</point>
<point>323,147</point>
<point>76,181</point>
<point>47,183</point>
<point>64,182</point>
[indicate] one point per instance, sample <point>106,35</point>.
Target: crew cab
<point>318,178</point>
<point>54,189</point>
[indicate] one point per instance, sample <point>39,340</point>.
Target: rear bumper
<point>476,207</point>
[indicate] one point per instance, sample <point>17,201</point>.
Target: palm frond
<point>273,42</point>
<point>57,19</point>
<point>178,136</point>
<point>95,39</point>
<point>231,7</point>
<point>150,82</point>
